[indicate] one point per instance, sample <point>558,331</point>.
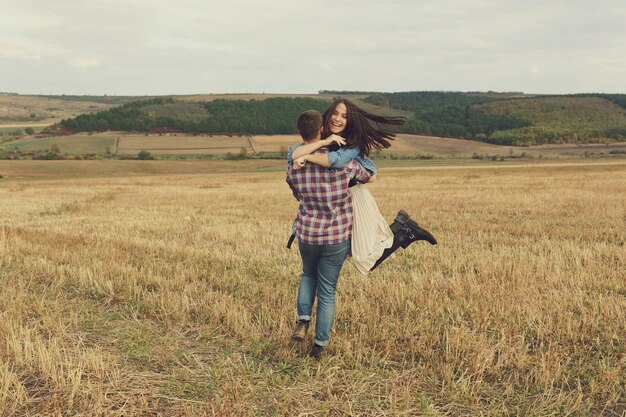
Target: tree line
<point>494,118</point>
<point>269,116</point>
<point>463,115</point>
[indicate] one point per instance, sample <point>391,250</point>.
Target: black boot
<point>413,232</point>
<point>405,231</point>
<point>399,222</point>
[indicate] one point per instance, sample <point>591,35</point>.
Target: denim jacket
<point>341,157</point>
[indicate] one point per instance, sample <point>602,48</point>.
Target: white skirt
<point>371,234</point>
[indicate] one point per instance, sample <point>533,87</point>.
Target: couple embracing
<point>337,216</point>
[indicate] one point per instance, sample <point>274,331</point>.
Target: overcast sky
<point>157,47</point>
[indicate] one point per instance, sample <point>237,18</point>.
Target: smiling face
<point>339,119</point>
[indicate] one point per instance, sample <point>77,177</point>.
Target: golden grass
<point>259,96</point>
<point>125,143</point>
<point>174,295</point>
<point>32,169</point>
<point>80,143</point>
<point>17,109</point>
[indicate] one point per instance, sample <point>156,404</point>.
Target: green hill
<point>498,118</point>
<point>269,116</point>
<point>559,120</point>
<point>512,119</point>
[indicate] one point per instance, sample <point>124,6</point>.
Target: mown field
<point>164,288</point>
<point>173,144</point>
<point>124,143</point>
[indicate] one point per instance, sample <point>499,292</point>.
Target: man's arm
<point>356,171</point>
<point>293,189</point>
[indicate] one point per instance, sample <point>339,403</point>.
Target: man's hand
<point>299,163</point>
<point>335,138</point>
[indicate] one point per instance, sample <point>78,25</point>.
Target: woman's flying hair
<point>364,129</point>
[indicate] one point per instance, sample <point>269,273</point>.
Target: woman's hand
<point>299,163</point>
<point>335,138</point>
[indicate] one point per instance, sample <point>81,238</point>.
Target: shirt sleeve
<point>356,171</point>
<point>290,183</point>
<point>290,153</point>
<point>342,156</point>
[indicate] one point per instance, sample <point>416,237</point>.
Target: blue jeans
<point>321,265</point>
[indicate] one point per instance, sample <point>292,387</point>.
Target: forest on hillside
<point>524,120</point>
<point>504,119</point>
<point>270,116</point>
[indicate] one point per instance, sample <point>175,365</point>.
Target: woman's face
<point>339,119</point>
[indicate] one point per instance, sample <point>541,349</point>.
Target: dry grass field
<point>256,96</point>
<point>172,144</point>
<point>79,144</point>
<point>24,111</point>
<point>156,289</point>
<point>183,144</point>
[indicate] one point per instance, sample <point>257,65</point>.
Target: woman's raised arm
<point>309,148</point>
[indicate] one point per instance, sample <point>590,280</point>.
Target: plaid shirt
<point>325,212</point>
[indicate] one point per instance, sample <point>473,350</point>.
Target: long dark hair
<point>364,129</point>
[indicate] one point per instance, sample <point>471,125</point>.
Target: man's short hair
<point>309,124</point>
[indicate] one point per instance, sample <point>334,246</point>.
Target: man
<point>323,228</point>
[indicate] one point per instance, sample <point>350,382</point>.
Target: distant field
<point>37,126</point>
<point>54,170</point>
<point>577,149</point>
<point>443,146</point>
<point>185,144</point>
<point>274,143</point>
<point>181,144</point>
<point>404,144</point>
<point>78,144</point>
<point>210,97</point>
<point>29,110</point>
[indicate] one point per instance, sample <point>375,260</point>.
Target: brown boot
<point>299,333</point>
<point>317,351</point>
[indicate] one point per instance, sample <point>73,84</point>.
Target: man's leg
<point>329,265</point>
<point>310,255</point>
<point>306,290</point>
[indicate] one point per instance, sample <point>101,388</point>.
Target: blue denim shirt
<point>341,157</point>
<point>290,153</point>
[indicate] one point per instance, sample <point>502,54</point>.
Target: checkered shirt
<point>325,213</point>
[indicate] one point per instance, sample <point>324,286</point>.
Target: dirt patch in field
<point>173,144</point>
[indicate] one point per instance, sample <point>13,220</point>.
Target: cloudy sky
<point>153,47</point>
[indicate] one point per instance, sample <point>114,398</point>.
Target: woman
<point>372,239</point>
